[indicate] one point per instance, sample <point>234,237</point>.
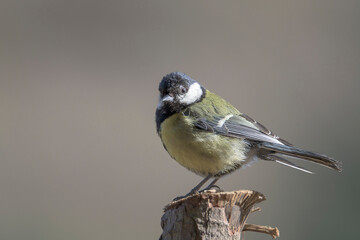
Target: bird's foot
<point>212,188</point>
<point>192,192</point>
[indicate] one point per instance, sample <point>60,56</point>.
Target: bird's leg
<point>196,188</point>
<point>212,185</point>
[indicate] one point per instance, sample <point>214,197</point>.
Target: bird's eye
<point>182,90</point>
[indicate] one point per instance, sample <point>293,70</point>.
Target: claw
<point>192,192</point>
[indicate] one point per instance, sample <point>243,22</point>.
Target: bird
<point>210,137</point>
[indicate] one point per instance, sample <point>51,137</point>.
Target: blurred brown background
<point>79,154</point>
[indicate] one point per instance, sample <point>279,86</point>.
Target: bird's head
<point>178,91</point>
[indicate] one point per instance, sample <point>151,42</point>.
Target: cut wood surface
<point>212,215</point>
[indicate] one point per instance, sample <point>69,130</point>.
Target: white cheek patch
<point>166,98</point>
<point>222,121</point>
<point>194,94</point>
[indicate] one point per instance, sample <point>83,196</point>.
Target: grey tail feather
<point>302,154</point>
<point>286,162</point>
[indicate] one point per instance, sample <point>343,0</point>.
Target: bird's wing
<point>239,126</point>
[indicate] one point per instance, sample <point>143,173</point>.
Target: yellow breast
<point>201,152</point>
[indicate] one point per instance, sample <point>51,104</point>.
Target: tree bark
<point>212,215</point>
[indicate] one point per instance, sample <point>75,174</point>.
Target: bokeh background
<point>79,154</point>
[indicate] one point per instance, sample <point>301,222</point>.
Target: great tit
<point>210,137</point>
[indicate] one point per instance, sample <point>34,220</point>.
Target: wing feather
<point>239,126</point>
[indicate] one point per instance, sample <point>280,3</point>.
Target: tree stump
<point>211,215</point>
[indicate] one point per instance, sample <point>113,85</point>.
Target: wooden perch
<point>211,215</point>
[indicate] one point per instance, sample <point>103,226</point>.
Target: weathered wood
<point>274,232</point>
<point>212,215</point>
